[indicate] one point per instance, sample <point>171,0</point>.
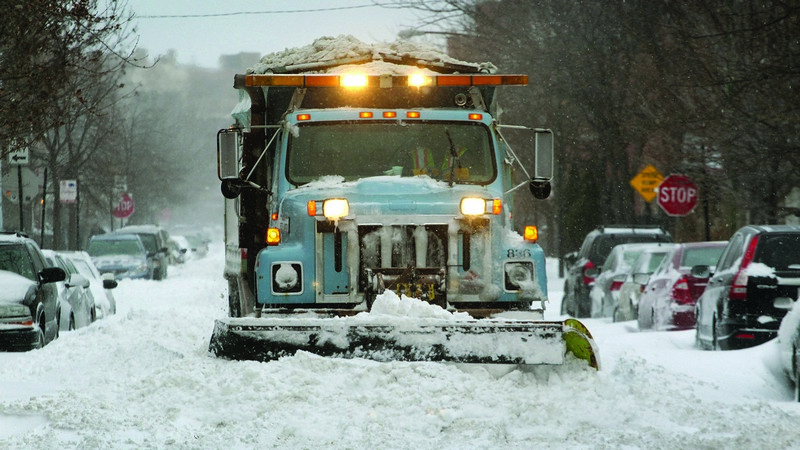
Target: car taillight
<point>738,289</point>
<point>681,293</point>
<point>587,279</point>
<point>615,285</point>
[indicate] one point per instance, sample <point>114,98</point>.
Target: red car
<point>669,298</point>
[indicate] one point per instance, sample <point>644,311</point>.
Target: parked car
<point>789,344</point>
<point>759,268</point>
<point>77,301</point>
<point>156,241</point>
<point>670,295</point>
<point>593,252</point>
<point>29,303</point>
<point>635,280</point>
<point>198,245</point>
<point>611,276</point>
<point>100,285</point>
<point>181,249</point>
<point>122,255</point>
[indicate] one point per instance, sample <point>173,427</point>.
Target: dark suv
<point>30,308</point>
<point>592,254</point>
<point>757,276</point>
<point>156,242</point>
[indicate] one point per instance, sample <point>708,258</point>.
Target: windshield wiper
<point>454,159</point>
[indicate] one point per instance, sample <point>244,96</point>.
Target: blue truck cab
<point>340,184</point>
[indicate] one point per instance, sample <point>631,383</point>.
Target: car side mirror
<point>570,258</point>
<point>701,271</point>
<point>52,275</point>
<point>109,282</point>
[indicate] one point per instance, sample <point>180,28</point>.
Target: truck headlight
<point>471,206</point>
<point>335,208</point>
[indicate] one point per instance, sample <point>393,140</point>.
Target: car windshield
<point>15,258</point>
<point>701,256</point>
<point>149,241</point>
<point>779,251</point>
<point>605,243</point>
<point>354,151</point>
<point>102,247</point>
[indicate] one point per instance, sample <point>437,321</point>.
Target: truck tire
<point>234,303</point>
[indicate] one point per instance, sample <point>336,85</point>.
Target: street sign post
<point>677,195</point>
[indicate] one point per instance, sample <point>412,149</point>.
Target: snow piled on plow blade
<point>404,329</point>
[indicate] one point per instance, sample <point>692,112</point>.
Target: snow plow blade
<point>472,341</point>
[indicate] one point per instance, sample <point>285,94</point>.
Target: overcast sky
<point>261,26</point>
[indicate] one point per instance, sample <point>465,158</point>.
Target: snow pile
<point>346,47</point>
<point>143,379</point>
<point>389,304</point>
<point>790,326</point>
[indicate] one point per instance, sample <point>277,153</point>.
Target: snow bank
<point>346,47</point>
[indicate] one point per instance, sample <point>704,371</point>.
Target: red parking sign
<point>677,195</point>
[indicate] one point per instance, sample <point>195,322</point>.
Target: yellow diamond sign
<point>647,181</point>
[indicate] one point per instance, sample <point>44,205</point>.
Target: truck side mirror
<point>544,155</point>
<point>543,171</point>
<point>229,154</point>
<point>229,157</point>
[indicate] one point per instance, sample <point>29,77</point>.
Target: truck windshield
<point>444,151</point>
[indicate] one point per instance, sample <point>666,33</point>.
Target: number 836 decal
<point>518,253</point>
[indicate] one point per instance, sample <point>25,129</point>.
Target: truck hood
<point>391,195</point>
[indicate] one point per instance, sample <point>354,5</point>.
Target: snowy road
<point>143,379</point>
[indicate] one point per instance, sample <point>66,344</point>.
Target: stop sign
<point>677,195</point>
<point>125,207</point>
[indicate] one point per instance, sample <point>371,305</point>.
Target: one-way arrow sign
<point>18,156</point>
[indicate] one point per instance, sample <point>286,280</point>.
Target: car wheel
<point>714,341</point>
<point>41,340</point>
<point>653,318</point>
<point>71,322</point>
<point>796,371</point>
<point>565,301</point>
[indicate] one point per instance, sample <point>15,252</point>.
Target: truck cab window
<point>355,151</point>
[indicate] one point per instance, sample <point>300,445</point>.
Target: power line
<point>246,13</point>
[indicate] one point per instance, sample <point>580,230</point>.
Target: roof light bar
<point>359,80</point>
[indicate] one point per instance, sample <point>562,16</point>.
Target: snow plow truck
<point>368,195</point>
